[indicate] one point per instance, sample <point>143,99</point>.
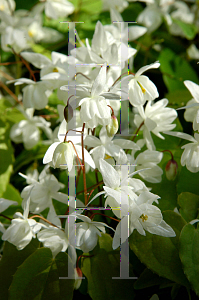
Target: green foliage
<point>6,156</point>
<point>160,254</point>
<point>38,277</point>
<point>175,70</point>
<point>12,259</point>
<point>189,254</point>
<point>188,182</point>
<point>189,206</point>
<point>99,270</point>
<point>189,30</point>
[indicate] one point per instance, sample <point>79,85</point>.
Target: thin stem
<point>90,194</point>
<point>77,263</point>
<point>169,152</point>
<point>92,216</point>
<point>42,218</point>
<point>99,190</point>
<point>111,109</point>
<point>5,217</point>
<point>71,130</point>
<point>10,92</point>
<point>83,162</point>
<point>136,134</point>
<point>76,154</point>
<point>10,63</point>
<point>138,129</point>
<point>49,116</point>
<point>6,75</point>
<point>80,73</point>
<point>126,73</point>
<point>95,185</point>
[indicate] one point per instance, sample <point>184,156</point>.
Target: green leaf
<point>38,278</point>
<point>178,98</point>
<point>6,156</point>
<point>189,30</point>
<point>189,204</point>
<point>99,270</point>
<point>148,279</point>
<point>11,260</point>
<point>167,191</point>
<point>12,194</point>
<point>160,254</point>
<point>189,254</point>
<point>188,182</point>
<point>42,50</point>
<point>175,70</point>
<point>28,156</point>
<point>9,112</point>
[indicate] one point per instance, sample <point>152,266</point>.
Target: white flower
<point>94,109</point>
<point>190,156</point>
<point>35,94</point>
<point>142,216</point>
<point>7,6</point>
<point>53,238</point>
<point>57,239</point>
<point>87,233</point>
<point>13,33</point>
<point>54,69</point>
<point>61,154</point>
<point>114,189</point>
<point>37,33</point>
<point>42,192</point>
<point>119,5</point>
<point>192,113</point>
<point>149,160</point>
<point>157,118</point>
<point>22,229</point>
<point>106,145</point>
<point>27,131</point>
<point>120,29</point>
<point>58,8</point>
<point>141,88</point>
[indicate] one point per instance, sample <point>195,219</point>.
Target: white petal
<point>110,175</point>
<point>145,68</point>
<point>49,153</point>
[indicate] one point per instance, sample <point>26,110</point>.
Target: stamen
<point>143,90</point>
<point>143,217</point>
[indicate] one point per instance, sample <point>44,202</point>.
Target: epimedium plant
<point>99,171</point>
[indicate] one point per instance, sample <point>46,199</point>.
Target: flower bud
<point>171,169</point>
<point>68,113</point>
<point>112,127</point>
<point>78,281</point>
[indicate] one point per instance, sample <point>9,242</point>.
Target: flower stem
<point>83,163</point>
<point>42,218</point>
<point>5,217</point>
<point>92,216</point>
<point>169,152</point>
<point>76,154</point>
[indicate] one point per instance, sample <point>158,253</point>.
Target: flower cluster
<point>90,86</point>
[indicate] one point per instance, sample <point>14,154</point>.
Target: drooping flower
<point>22,230</point>
<point>141,88</point>
<point>61,154</point>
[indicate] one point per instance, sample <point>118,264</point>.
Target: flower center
<point>55,70</point>
<point>143,217</point>
<point>30,33</point>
